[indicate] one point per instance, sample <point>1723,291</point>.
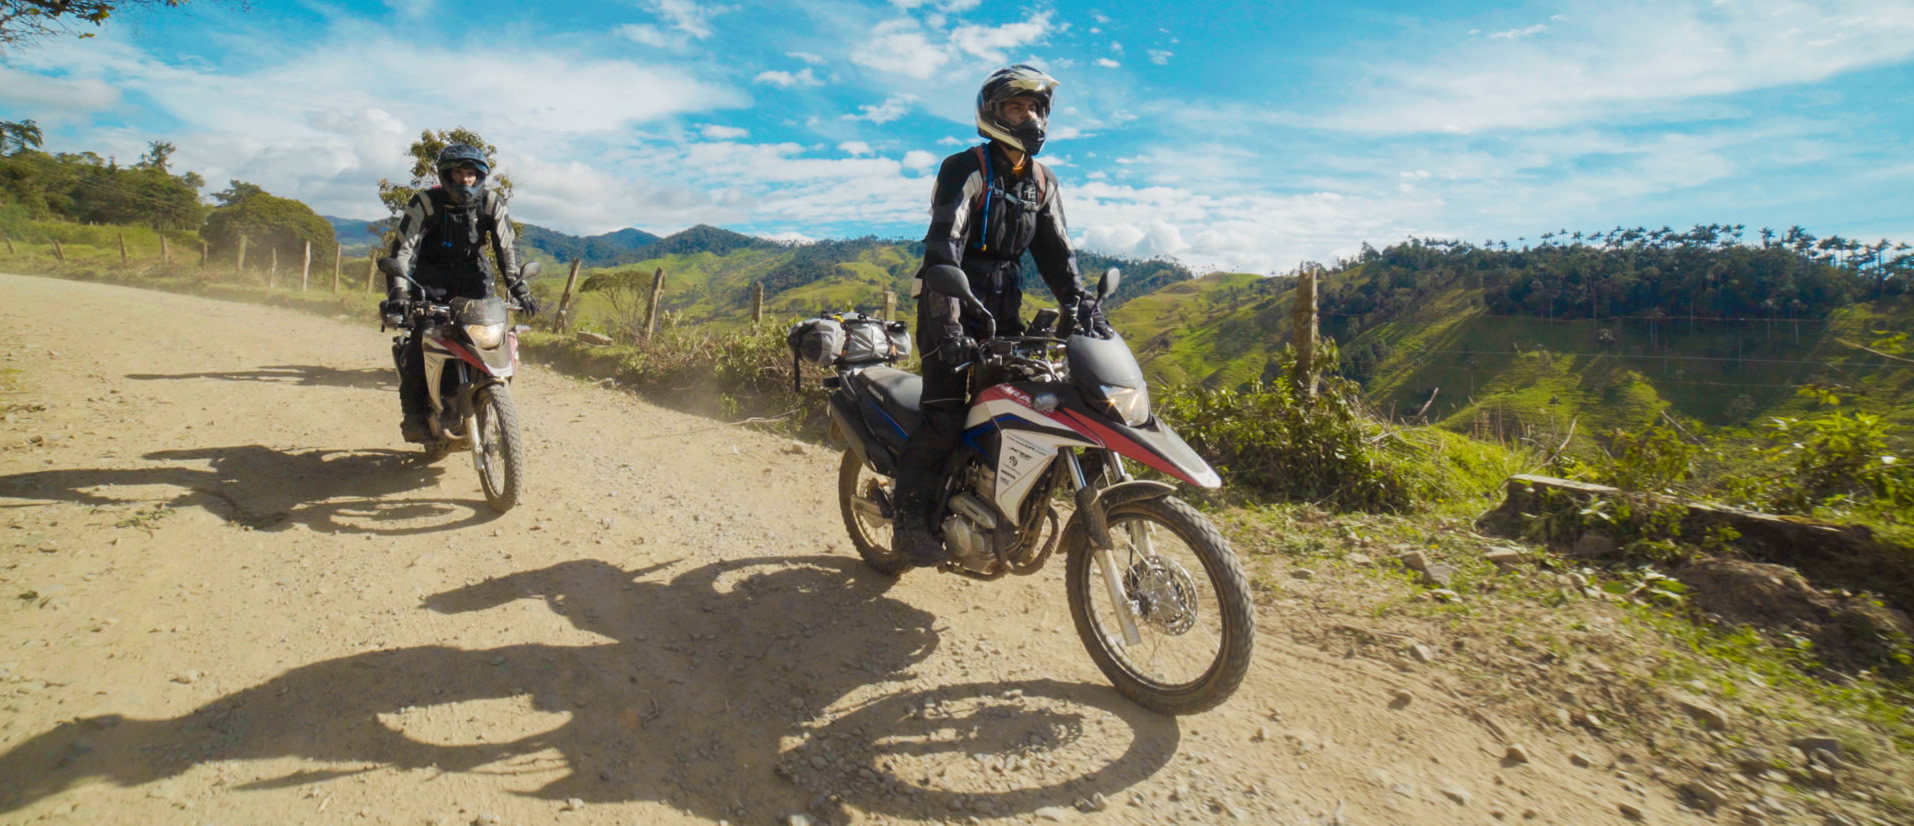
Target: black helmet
<point>460,155</point>
<point>1011,82</point>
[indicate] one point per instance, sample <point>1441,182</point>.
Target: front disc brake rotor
<point>1165,594</point>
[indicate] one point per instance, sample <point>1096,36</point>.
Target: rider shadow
<point>257,487</point>
<point>689,704</point>
<point>297,375</point>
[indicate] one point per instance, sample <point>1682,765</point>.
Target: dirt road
<point>232,595</point>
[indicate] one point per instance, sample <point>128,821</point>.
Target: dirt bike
<point>471,353</point>
<point>1155,591</point>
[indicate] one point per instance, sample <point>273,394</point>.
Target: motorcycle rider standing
<point>991,203</point>
<point>442,237</point>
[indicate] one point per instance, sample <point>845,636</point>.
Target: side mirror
<point>950,281</point>
<point>1108,286</point>
<point>390,266</point>
<point>529,270</point>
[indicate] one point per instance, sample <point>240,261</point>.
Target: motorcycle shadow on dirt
<point>297,375</point>
<point>710,681</point>
<point>265,489</point>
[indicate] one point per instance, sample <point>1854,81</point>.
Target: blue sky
<point>1243,136</point>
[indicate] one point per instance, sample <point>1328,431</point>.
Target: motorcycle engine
<point>969,546</point>
<point>969,531</point>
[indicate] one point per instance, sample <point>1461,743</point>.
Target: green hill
<point>710,275</point>
<point>1502,344</point>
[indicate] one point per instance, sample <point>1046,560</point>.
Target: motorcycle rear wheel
<point>501,465</point>
<point>863,497</point>
<point>1192,597</point>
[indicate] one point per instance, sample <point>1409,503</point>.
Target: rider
<point>441,243</point>
<point>991,204</point>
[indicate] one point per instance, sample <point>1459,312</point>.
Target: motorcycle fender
<point>845,419</point>
<point>502,361</point>
<point>1093,505</point>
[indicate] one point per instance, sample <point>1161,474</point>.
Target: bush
<point>1654,459</point>
<point>1839,459</point>
<point>1277,442</point>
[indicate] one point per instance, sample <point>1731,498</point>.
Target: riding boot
<point>920,466</point>
<point>417,408</point>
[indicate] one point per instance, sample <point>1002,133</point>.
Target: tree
<point>19,137</point>
<point>158,154</point>
<point>268,222</point>
<point>425,173</point>
<point>24,21</point>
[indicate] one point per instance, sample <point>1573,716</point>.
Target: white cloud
<point>900,46</point>
<point>854,148</point>
<point>918,160</point>
<point>1634,59</point>
<point>786,80</point>
<point>1116,47</point>
<point>949,140</point>
<point>723,133</point>
<point>1518,34</point>
<point>692,18</point>
<point>807,57</point>
<point>992,43</point>
<point>1161,57</point>
<point>412,9</point>
<point>795,239</point>
<point>893,107</point>
<point>1107,63</point>
<point>37,93</point>
<point>647,35</point>
<point>324,125</point>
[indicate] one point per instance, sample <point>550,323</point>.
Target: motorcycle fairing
<point>1153,444</point>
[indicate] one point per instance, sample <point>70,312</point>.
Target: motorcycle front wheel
<point>1185,592</point>
<point>865,500</point>
<point>501,464</point>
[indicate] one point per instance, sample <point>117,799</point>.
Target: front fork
<point>1103,551</point>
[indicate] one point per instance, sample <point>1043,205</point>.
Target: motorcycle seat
<point>899,392</point>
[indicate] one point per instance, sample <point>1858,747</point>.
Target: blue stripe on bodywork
<point>901,432</point>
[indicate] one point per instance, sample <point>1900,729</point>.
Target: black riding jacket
<point>442,244</point>
<point>982,219</point>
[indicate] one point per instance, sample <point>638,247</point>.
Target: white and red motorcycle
<point>1156,592</point>
<point>471,354</point>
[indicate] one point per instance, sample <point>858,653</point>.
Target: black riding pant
<point>409,354</point>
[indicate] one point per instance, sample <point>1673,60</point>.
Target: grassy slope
<point>1496,375</point>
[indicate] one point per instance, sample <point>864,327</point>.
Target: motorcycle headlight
<point>1131,404</point>
<point>486,336</point>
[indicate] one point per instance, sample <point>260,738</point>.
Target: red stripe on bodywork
<point>465,355</point>
<point>1127,446</point>
<point>997,392</point>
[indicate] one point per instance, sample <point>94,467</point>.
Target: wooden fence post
<point>205,253</point>
<point>372,268</point>
<point>305,269</point>
<point>166,253</point>
<point>757,302</point>
<point>9,246</point>
<point>890,305</point>
<point>651,312</point>
<point>57,252</point>
<point>272,270</point>
<point>335,266</point>
<point>1303,329</point>
<point>240,266</point>
<point>559,319</point>
<point>122,249</point>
